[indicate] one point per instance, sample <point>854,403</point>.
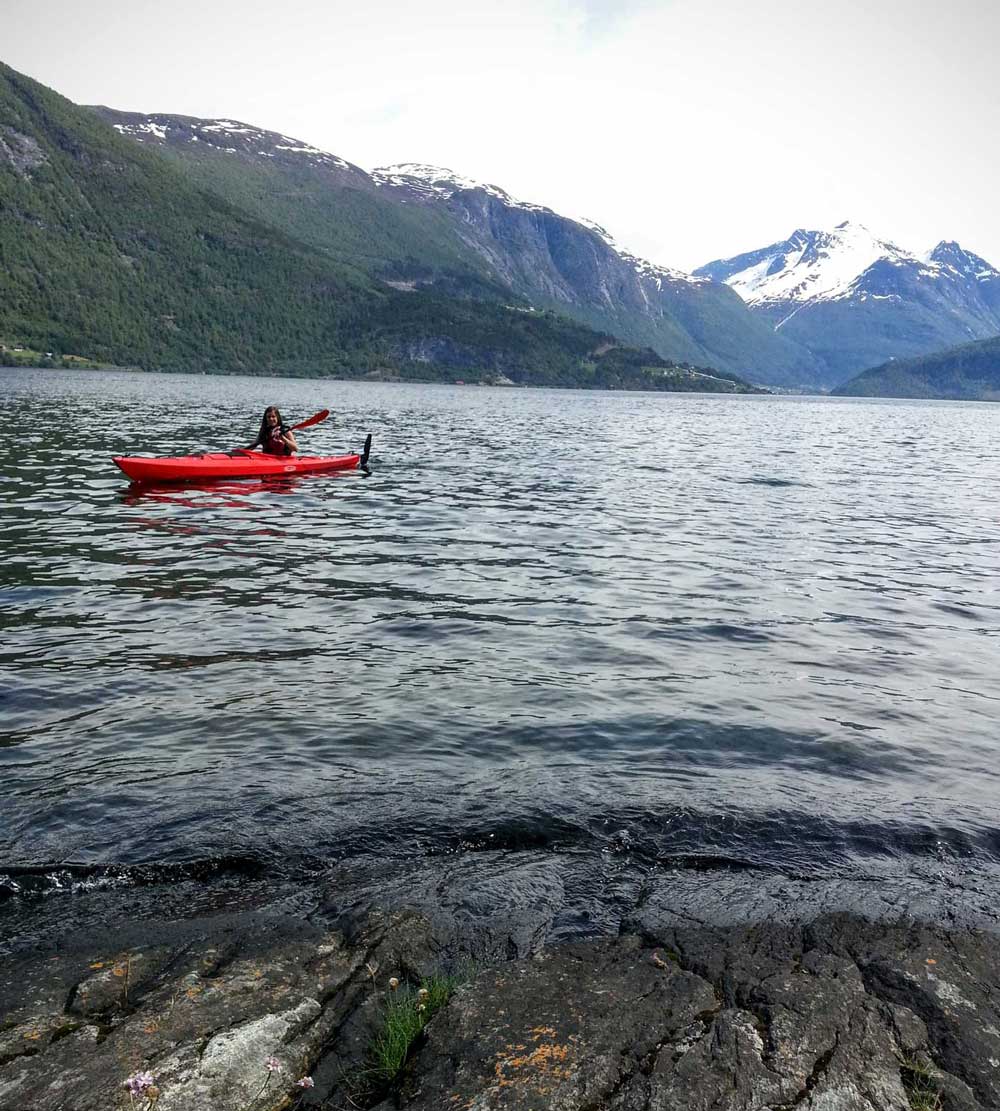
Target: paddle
<point>314,419</point>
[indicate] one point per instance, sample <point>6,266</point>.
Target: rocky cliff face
<point>579,270</point>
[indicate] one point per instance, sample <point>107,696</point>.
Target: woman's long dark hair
<point>265,432</point>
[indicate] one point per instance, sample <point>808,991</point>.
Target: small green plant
<point>918,1082</point>
<point>407,1012</point>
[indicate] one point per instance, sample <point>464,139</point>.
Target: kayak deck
<point>221,464</point>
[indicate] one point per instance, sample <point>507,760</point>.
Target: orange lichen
<point>541,1057</point>
<point>546,1062</point>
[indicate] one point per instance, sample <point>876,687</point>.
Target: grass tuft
<point>919,1084</point>
<point>407,1012</point>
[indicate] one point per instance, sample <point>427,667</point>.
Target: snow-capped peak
<point>809,265</point>
<point>951,256</point>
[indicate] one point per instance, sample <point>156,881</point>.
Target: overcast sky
<point>691,129</point>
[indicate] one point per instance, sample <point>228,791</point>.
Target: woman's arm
<point>288,439</point>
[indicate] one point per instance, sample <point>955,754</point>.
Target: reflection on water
<point>748,629</point>
<point>234,494</point>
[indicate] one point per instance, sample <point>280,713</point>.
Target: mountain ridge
<point>821,305</point>
<point>112,252</point>
<point>477,236</point>
<point>809,311</point>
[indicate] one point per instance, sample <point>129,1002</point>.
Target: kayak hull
<point>250,464</point>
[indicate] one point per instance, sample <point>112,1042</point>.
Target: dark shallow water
<point>699,631</point>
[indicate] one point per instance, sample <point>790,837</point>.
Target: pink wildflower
<point>139,1083</point>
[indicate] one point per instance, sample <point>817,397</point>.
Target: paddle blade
<point>363,461</point>
<point>314,419</point>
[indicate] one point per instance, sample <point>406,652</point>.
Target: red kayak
<point>236,464</point>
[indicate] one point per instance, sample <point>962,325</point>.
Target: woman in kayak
<point>274,437</point>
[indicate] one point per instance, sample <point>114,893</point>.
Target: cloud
<point>690,129</point>
<point>598,18</point>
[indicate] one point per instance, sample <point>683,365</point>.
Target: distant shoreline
<point>388,379</point>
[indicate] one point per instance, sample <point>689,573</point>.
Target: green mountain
<point>970,372</point>
<point>110,252</point>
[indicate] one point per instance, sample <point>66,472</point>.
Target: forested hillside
<point>970,372</point>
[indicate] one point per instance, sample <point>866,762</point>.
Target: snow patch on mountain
<point>139,131</point>
<point>231,126</point>
<point>439,182</point>
<point>229,136</point>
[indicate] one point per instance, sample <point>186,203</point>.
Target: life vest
<point>273,443</point>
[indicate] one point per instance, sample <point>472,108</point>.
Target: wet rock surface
<point>678,1008</point>
<point>839,1014</point>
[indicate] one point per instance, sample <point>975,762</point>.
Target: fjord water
<point>761,630</point>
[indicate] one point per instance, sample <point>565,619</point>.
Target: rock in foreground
<point>836,1015</point>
